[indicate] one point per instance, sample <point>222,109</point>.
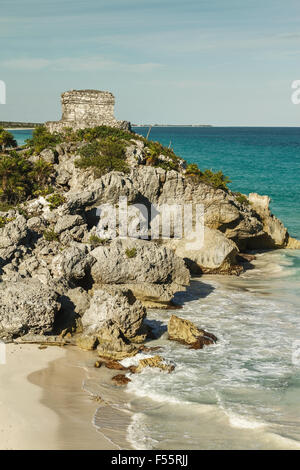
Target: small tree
<point>7,140</point>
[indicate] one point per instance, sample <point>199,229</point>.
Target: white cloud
<point>77,64</point>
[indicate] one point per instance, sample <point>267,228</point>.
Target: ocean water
<point>244,391</point>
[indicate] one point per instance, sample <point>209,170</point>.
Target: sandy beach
<point>42,404</point>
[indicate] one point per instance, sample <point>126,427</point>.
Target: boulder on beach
<point>27,307</point>
<point>112,342</point>
<point>185,332</point>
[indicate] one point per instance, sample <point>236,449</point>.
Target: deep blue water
<point>263,160</point>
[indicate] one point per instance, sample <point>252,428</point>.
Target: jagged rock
<point>155,361</point>
<point>49,155</point>
<point>37,224</point>
<point>115,304</point>
<point>27,306</point>
<point>120,380</point>
<point>14,232</point>
<point>113,344</point>
<point>67,223</point>
<point>185,332</point>
<point>72,263</point>
<point>154,273</point>
<point>79,299</point>
<point>293,244</point>
<point>276,235</point>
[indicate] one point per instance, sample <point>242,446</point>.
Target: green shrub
<point>41,172</point>
<point>103,132</point>
<point>50,236</point>
<point>55,200</point>
<point>7,140</point>
<point>103,156</point>
<point>5,220</point>
<point>14,178</point>
<point>241,198</point>
<point>192,169</point>
<point>44,191</point>
<point>96,241</point>
<point>218,180</point>
<point>43,139</point>
<point>131,252</point>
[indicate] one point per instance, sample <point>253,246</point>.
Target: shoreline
<point>21,411</point>
<point>42,404</point>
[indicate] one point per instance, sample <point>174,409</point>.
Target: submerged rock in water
<point>115,365</point>
<point>155,361</point>
<point>120,380</point>
<point>185,332</point>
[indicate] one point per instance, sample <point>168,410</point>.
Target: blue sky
<point>221,62</point>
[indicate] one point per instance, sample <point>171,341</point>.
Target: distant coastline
<point>172,125</point>
<point>11,125</point>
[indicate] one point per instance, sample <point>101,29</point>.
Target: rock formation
<point>185,332</point>
<point>87,108</point>
<point>61,284</point>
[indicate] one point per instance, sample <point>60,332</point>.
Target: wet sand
<point>42,403</point>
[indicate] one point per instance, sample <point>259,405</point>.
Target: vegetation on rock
<point>103,156</point>
<point>50,236</point>
<point>241,198</point>
<point>218,180</point>
<point>7,140</point>
<point>131,252</point>
<point>55,200</point>
<point>42,139</point>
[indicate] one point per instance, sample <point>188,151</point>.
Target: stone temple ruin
<point>87,108</point>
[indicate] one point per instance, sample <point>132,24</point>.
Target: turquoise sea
<point>244,391</point>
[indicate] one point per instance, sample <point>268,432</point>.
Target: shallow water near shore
<point>241,393</point>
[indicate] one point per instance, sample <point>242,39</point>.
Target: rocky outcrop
<point>152,272</point>
<point>212,253</point>
<point>293,244</point>
<point>118,305</point>
<point>27,307</point>
<point>87,342</point>
<point>14,233</point>
<point>112,342</point>
<point>275,234</point>
<point>185,332</point>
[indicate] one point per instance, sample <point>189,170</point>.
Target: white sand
<point>42,405</point>
<point>24,422</point>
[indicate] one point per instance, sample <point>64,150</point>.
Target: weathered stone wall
<point>87,108</point>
